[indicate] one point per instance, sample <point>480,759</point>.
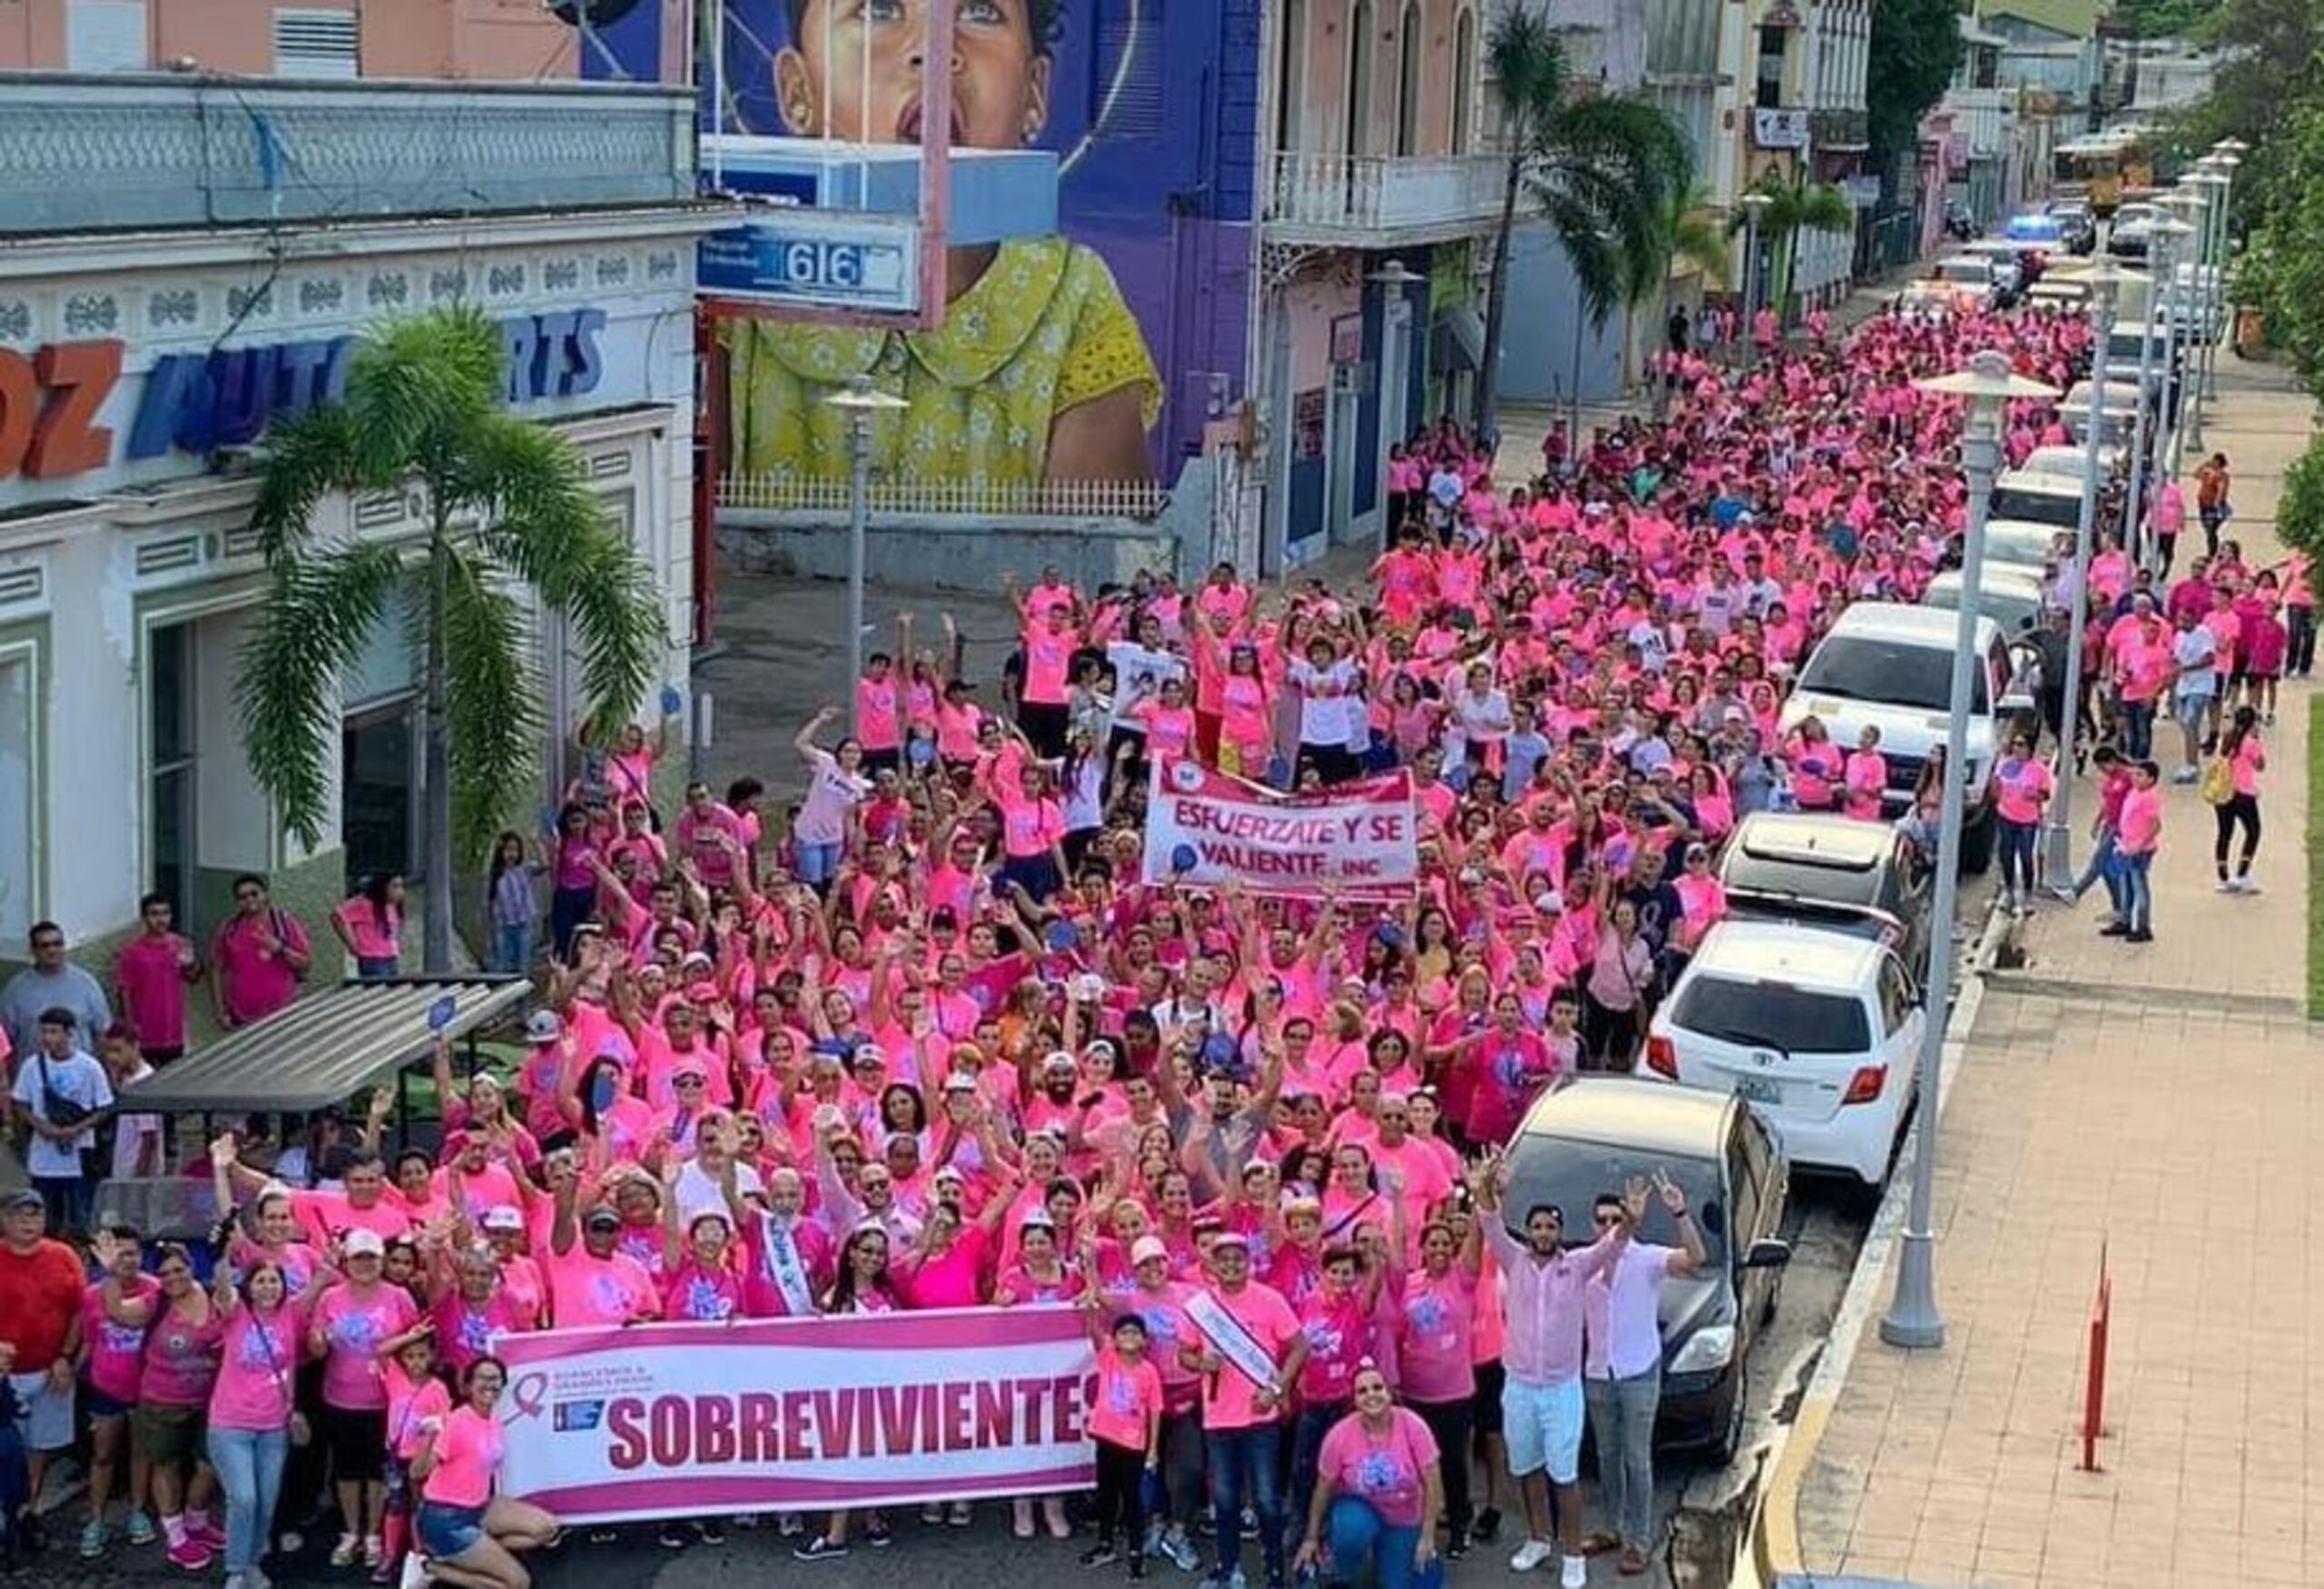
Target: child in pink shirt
<point>1126,1426</point>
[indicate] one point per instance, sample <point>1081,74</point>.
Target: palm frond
<point>319,614</point>
<point>1530,68</point>
<point>492,707</point>
<point>430,375</point>
<point>545,527</point>
<point>308,457</point>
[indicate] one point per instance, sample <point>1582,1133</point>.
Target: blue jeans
<point>815,863</point>
<point>2017,866</point>
<point>1244,1465</point>
<point>2138,892</point>
<point>1621,1421</point>
<point>249,1463</point>
<point>2105,866</point>
<point>2138,729</point>
<point>512,947</point>
<point>1358,1535</point>
<point>1308,1431</point>
<point>376,967</point>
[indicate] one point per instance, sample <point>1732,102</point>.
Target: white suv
<point>1891,667</point>
<point>1817,1031</point>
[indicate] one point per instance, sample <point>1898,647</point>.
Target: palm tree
<point>1684,233</point>
<point>1597,166</point>
<point>508,505</point>
<point>1793,207</point>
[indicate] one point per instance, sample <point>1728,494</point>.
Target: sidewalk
<point>2157,1104</point>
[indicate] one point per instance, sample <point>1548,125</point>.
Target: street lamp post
<point>2202,187</point>
<point>2104,278</point>
<point>1913,1319</point>
<point>1397,319</point>
<point>2159,256</point>
<point>2169,438</point>
<point>861,403</point>
<point>2222,165</point>
<point>1755,205</point>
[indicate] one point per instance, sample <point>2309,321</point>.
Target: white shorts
<point>47,1422</point>
<point>1542,1425</point>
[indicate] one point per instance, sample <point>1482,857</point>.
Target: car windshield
<point>1858,667</point>
<point>1573,1173</point>
<point>1815,880</point>
<point>1773,1015</point>
<point>2041,507</point>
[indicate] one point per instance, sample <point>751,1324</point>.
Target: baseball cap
<point>359,1241</point>
<point>543,1026</point>
<point>504,1216</point>
<point>1147,1247</point>
<point>20,1197</point>
<point>1059,1060</point>
<point>1231,1238</point>
<point>959,1081</point>
<point>602,1219</point>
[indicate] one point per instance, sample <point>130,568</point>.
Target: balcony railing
<point>1331,198</point>
<point>143,151</point>
<point>1139,500</point>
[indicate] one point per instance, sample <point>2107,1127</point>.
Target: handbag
<point>59,1109</point>
<point>297,1428</point>
<point>2218,787</point>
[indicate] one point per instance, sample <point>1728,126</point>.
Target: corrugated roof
<point>318,1051</point>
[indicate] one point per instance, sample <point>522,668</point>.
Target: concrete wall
<point>953,553</point>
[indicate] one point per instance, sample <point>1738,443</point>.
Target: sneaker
<point>415,1571</point>
<point>961,1515</point>
<point>137,1529</point>
<point>2138,935</point>
<point>1488,1524</point>
<point>383,1574</point>
<point>1137,1564</point>
<point>344,1553</point>
<point>372,1554</point>
<point>933,1514</point>
<point>191,1556</point>
<point>875,1532</point>
<point>1100,1554</point>
<point>235,1581</point>
<point>2114,929</point>
<point>2225,885</point>
<point>1456,1547</point>
<point>1053,1514</point>
<point>820,1549</point>
<point>208,1532</point>
<point>1574,1574</point>
<point>1224,1578</point>
<point>255,1576</point>
<point>2065,896</point>
<point>2246,885</point>
<point>710,1530</point>
<point>790,1524</point>
<point>288,1543</point>
<point>674,1534</point>
<point>32,1533</point>
<point>1532,1555</point>
<point>2186,774</point>
<point>1181,1552</point>
<point>93,1540</point>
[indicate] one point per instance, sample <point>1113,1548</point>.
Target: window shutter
<point>313,43</point>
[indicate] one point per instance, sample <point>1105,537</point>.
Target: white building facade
<point>138,369</point>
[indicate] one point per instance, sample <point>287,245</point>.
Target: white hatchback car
<point>1818,1030</point>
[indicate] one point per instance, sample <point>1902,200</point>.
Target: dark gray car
<point>1861,878</point>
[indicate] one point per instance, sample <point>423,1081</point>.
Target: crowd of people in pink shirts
<point>924,1038</point>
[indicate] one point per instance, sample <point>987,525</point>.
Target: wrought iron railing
<point>782,493</point>
<point>1378,192</point>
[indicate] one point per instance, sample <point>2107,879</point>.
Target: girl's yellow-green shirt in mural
<point>1044,330</point>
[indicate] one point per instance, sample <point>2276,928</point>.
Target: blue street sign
<point>832,259</point>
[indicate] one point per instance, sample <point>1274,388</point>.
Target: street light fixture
<point>861,403</point>
<point>1913,1319</point>
<point>2185,207</point>
<point>2104,278</point>
<point>1395,364</point>
<point>2209,188</point>
<point>1755,205</point>
<point>2223,163</point>
<point>2162,253</point>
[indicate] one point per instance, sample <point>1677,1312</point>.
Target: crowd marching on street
<point>929,1037</point>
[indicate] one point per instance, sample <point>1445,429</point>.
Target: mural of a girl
<point>1039,372</point>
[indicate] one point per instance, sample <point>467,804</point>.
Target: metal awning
<point>1459,338</point>
<point>320,1049</point>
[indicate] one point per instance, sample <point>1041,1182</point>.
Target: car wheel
<point>1731,1436</point>
<point>1977,845</point>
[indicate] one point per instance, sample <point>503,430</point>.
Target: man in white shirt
<point>1621,1371</point>
<point>62,1097</point>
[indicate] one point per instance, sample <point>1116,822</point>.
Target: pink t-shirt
<point>1434,1342</point>
<point>467,1457</point>
<point>1129,1396</point>
<point>701,1295</point>
<point>373,931</point>
<point>1384,1469</point>
<point>180,1360</point>
<point>259,1353</point>
<point>953,1278</point>
<point>414,1407</point>
<point>352,1327</point>
<point>2021,784</point>
<point>585,1290</point>
<point>1339,1337</point>
<point>464,1331</point>
<point>152,989</point>
<point>2142,824</point>
<point>1230,1401</point>
<point>323,1215</point>
<point>114,1349</point>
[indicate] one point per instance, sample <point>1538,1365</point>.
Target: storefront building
<point>140,367</point>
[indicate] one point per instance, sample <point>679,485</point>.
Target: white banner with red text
<point>795,1415</point>
<point>1206,828</point>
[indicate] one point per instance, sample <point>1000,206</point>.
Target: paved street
<point>2155,1105</point>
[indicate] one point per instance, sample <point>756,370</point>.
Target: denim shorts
<point>446,1532</point>
<point>1543,1427</point>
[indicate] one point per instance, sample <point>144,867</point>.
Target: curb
<point>1775,1553</point>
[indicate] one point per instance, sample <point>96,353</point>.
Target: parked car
<point>1862,878</point>
<point>2028,543</point>
<point>2024,494</point>
<point>1590,1135</point>
<point>2008,594</point>
<point>1817,1031</point>
<point>1890,666</point>
<point>2131,230</point>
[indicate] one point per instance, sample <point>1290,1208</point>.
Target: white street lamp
<point>2185,207</point>
<point>1913,1319</point>
<point>1396,381</point>
<point>1755,206</point>
<point>2104,278</point>
<point>861,403</point>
